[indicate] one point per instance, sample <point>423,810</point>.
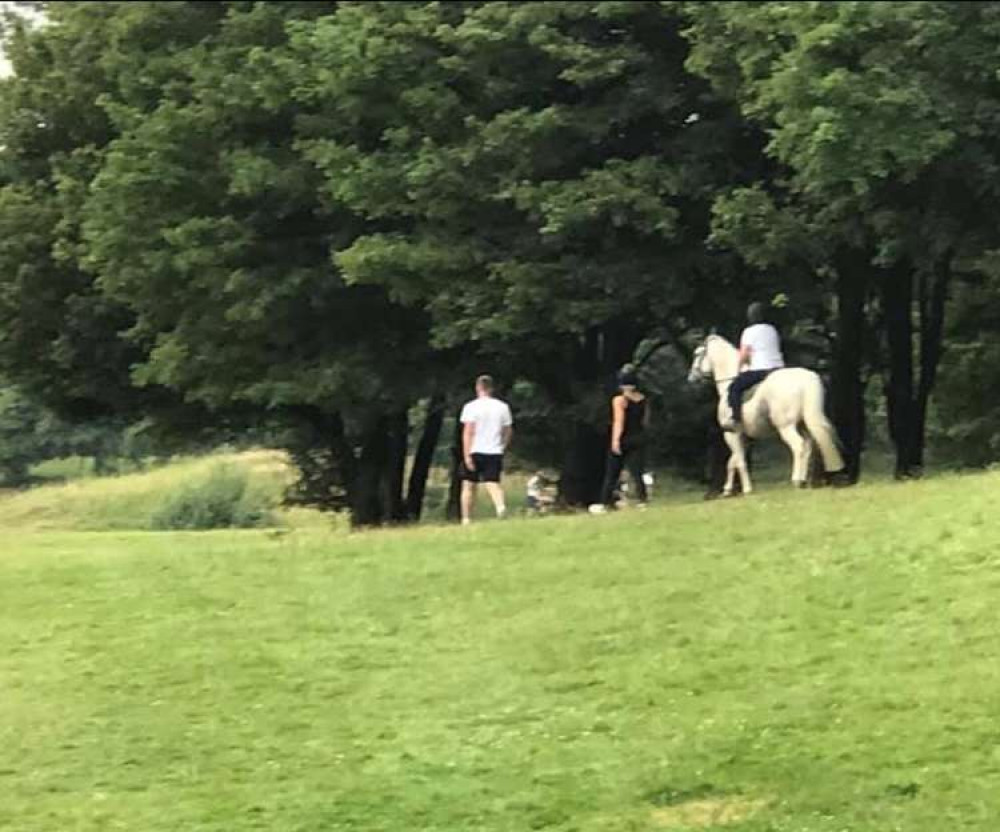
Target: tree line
<point>323,219</point>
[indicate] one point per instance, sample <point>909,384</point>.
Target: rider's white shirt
<point>765,347</point>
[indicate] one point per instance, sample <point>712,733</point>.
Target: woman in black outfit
<point>629,417</point>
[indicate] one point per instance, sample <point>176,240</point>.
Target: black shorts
<point>489,468</point>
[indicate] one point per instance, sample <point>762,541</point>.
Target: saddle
<point>743,397</point>
<point>749,393</point>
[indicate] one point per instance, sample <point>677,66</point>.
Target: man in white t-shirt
<point>760,354</point>
<point>487,426</point>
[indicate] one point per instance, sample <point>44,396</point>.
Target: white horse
<point>788,401</point>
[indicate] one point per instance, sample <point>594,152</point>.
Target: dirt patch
<point>704,813</point>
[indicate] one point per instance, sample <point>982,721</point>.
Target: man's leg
<point>468,501</point>
<point>491,472</point>
<point>495,490</point>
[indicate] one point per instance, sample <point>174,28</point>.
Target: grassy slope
<point>828,659</point>
<point>122,503</point>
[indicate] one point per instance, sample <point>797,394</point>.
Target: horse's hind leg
<point>797,445</point>
<point>808,451</point>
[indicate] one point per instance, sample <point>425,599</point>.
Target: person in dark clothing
<point>629,418</point>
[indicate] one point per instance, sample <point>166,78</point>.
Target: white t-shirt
<point>765,347</point>
<point>490,416</point>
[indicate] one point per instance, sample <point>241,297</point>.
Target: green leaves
<point>621,194</point>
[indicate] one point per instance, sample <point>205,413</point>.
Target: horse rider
<point>760,355</point>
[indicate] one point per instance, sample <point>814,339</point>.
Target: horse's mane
<point>716,337</point>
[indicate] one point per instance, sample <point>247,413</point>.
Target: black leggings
<point>743,382</point>
<point>632,459</point>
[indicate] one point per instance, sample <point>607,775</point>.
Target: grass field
<point>792,662</point>
<point>126,502</point>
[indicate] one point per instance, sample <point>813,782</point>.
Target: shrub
<point>223,500</point>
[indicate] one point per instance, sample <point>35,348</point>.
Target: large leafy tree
<point>165,245</point>
<point>321,214</point>
<point>227,264</point>
<point>536,176</point>
<point>883,116</point>
<point>57,330</point>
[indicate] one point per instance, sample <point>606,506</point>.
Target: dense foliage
<point>326,217</point>
<point>31,433</point>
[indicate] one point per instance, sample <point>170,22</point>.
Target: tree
<point>165,246</point>
<point>537,176</point>
<point>24,439</point>
<point>882,115</point>
<point>31,433</point>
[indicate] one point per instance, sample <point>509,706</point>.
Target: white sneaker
<point>598,508</point>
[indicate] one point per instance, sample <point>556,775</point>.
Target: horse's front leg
<point>737,465</point>
<point>727,491</point>
<point>745,474</point>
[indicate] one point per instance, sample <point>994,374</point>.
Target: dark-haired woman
<point>629,418</point>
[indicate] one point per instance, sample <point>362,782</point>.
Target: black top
<point>635,420</point>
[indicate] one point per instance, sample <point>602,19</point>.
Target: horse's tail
<point>819,427</point>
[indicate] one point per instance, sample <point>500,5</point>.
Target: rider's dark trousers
<point>632,457</point>
<point>743,382</point>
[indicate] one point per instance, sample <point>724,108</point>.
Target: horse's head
<point>701,364</point>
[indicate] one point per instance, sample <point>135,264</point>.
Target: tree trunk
<point>583,469</point>
<point>377,496</point>
<point>325,460</point>
<point>393,507</point>
<point>424,457</point>
<point>847,399</point>
<point>933,298</point>
<point>897,298</point>
<point>453,511</point>
<point>600,354</point>
<point>906,398</point>
<point>367,506</point>
<point>334,476</point>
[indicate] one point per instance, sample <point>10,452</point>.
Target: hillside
<point>795,661</point>
<point>126,502</point>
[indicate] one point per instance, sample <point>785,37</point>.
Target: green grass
<point>793,662</point>
<point>66,468</point>
<point>129,501</point>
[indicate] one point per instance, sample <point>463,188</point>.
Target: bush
<point>222,501</point>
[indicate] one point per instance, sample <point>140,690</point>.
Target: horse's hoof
<point>800,484</point>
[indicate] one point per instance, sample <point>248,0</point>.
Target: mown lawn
<point>790,662</point>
